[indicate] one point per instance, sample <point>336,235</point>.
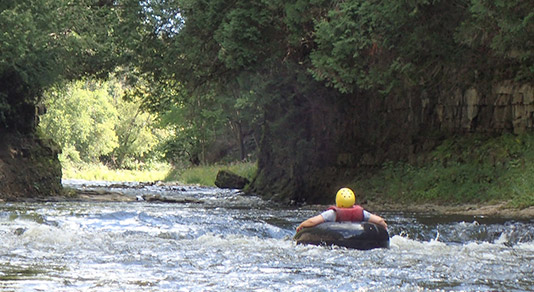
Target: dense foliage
<point>304,68</point>
<point>92,123</point>
<point>45,41</point>
<point>214,47</point>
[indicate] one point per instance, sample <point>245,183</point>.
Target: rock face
<point>505,107</point>
<point>307,157</point>
<point>29,167</point>
<point>229,180</point>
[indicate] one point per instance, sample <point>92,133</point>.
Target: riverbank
<point>205,175</point>
<point>196,175</point>
<point>462,171</point>
<point>487,210</point>
<point>97,171</point>
<point>28,166</point>
<point>501,209</point>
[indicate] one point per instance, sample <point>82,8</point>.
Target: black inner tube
<point>357,235</point>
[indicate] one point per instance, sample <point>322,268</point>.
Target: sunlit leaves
<point>80,119</point>
<point>91,123</point>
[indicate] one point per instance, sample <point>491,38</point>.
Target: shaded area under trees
<point>325,89</point>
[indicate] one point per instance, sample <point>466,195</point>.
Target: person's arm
<point>311,222</point>
<point>378,220</point>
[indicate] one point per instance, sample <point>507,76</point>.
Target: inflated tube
<point>358,235</point>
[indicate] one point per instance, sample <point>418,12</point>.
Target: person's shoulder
<point>329,215</point>
<point>328,211</point>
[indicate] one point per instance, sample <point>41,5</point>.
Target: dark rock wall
<point>312,146</point>
<point>29,167</point>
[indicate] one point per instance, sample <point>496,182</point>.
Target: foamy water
<point>229,242</point>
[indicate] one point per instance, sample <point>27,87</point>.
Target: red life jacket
<point>353,214</point>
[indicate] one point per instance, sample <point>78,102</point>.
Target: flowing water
<point>224,241</point>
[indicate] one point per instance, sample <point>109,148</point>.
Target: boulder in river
<point>229,180</point>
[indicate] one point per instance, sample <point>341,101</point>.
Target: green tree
<point>407,44</point>
<point>206,106</point>
<point>92,123</point>
<point>385,45</point>
<point>46,41</point>
<point>499,37</point>
<point>139,136</point>
<point>81,120</point>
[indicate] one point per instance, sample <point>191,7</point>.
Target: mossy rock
<point>229,180</point>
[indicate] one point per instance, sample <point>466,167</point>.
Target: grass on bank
<point>205,175</point>
<point>101,172</point>
<point>473,169</point>
<point>199,175</point>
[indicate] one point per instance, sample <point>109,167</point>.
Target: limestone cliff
<point>310,149</point>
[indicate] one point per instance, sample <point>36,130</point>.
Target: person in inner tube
<point>344,210</point>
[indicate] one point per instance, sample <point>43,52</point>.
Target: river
<point>224,241</point>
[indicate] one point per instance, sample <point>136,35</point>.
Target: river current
<point>221,240</point>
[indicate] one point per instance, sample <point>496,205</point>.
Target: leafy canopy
<point>46,41</point>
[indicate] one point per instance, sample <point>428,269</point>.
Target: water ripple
<point>231,242</point>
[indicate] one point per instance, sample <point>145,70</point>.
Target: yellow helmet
<point>345,198</point>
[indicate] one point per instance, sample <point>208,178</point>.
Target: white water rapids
<point>230,242</point>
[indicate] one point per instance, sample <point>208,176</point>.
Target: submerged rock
<point>19,231</point>
<point>159,198</point>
